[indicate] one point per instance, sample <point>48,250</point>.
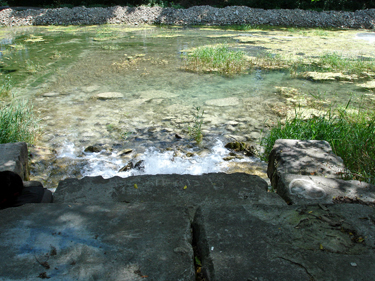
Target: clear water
<point>62,70</point>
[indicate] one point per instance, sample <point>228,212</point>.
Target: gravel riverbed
<point>199,15</point>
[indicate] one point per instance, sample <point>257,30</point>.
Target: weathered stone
<point>311,157</point>
<point>14,157</point>
<point>259,242</point>
<point>211,189</point>
<point>298,189</point>
<point>103,242</point>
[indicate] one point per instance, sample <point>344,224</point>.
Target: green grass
<point>17,122</point>
<point>337,63</point>
<point>325,63</point>
<point>218,58</point>
<point>351,136</point>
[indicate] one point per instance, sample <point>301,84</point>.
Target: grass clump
<point>17,122</point>
<point>218,58</point>
<point>337,63</point>
<point>351,136</point>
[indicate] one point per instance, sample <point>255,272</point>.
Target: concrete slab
<point>258,242</point>
<point>96,242</point>
<point>297,189</point>
<point>180,190</point>
<point>313,157</point>
<point>14,157</point>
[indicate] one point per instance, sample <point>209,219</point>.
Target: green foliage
<point>350,134</point>
<point>218,58</point>
<point>17,122</point>
<point>6,88</point>
<point>195,131</point>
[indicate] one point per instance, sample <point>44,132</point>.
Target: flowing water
<point>118,88</point>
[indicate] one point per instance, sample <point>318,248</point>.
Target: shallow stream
<point>118,87</point>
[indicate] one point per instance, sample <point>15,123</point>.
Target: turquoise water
<point>63,71</point>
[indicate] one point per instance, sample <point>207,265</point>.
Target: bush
<point>17,122</point>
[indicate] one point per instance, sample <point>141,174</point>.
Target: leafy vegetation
<point>17,122</point>
<point>350,134</point>
<point>195,131</point>
<point>219,58</point>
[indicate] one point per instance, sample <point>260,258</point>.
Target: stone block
<point>298,189</point>
<point>14,157</point>
<point>181,190</point>
<point>259,242</point>
<point>96,242</point>
<point>313,157</point>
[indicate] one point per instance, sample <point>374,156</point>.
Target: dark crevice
<point>300,265</point>
<point>199,245</point>
<point>197,259</point>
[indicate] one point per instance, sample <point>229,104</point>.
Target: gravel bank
<point>192,16</point>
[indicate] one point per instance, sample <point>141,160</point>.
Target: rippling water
<point>64,72</point>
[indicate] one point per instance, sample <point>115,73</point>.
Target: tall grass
<point>219,59</point>
<point>17,122</point>
<point>351,136</point>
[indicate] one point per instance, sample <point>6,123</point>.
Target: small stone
<point>127,167</point>
<point>109,96</point>
<point>51,94</point>
<point>353,264</point>
<point>228,158</point>
<point>139,165</point>
<point>178,136</point>
<point>93,148</point>
<point>124,152</point>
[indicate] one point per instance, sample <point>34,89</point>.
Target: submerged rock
<point>370,85</point>
<point>93,148</point>
<point>109,96</point>
<point>329,76</point>
<point>223,102</point>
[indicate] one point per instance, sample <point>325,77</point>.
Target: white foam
<point>154,162</point>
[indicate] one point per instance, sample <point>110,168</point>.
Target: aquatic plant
<point>18,122</point>
<point>31,67</point>
<point>195,131</point>
<point>219,58</point>
<point>6,87</point>
<point>350,134</point>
